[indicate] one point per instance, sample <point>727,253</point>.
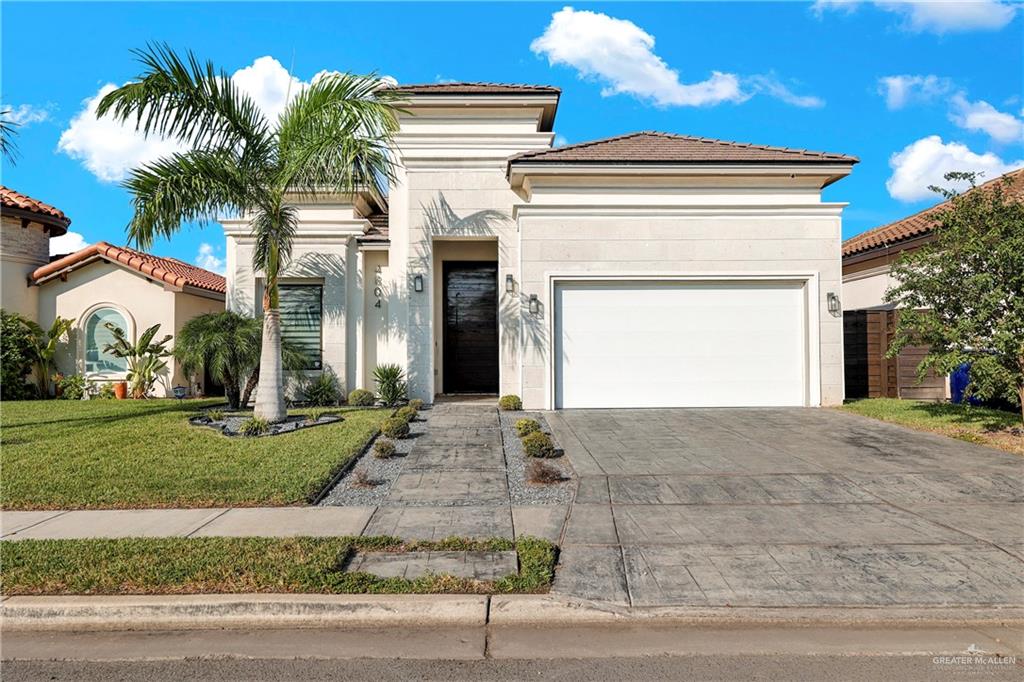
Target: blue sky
<point>912,89</point>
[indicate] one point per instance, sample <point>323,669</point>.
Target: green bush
<point>408,413</point>
<point>510,403</point>
<point>215,415</point>
<point>70,387</point>
<point>526,426</point>
<point>391,385</point>
<point>361,398</point>
<point>254,426</point>
<point>538,444</point>
<point>322,390</point>
<point>106,391</point>
<point>16,348</point>
<point>384,448</point>
<point>394,427</point>
<point>314,415</point>
<point>416,404</point>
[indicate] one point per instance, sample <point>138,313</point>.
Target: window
<point>301,315</point>
<point>97,336</point>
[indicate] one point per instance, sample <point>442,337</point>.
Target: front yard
<point>143,453</point>
<point>982,425</point>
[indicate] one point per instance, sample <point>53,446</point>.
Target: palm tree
<point>333,137</point>
<point>8,131</point>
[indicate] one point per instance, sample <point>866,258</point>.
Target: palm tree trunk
<point>250,385</point>
<point>270,392</point>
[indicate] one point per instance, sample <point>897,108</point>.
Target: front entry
<point>470,297</point>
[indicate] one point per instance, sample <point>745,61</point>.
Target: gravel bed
<point>516,461</point>
<point>382,471</point>
<point>231,424</point>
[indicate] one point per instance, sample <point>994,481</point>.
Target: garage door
<point>679,344</point>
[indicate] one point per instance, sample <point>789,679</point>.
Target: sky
<point>913,89</point>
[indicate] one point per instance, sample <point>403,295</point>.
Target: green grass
<point>246,565</point>
<point>144,453</point>
<point>980,425</point>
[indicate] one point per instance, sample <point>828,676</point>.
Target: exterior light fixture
<point>834,306</point>
<point>534,304</point>
<point>417,283</point>
<point>510,285</point>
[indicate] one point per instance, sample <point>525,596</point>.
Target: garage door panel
<point>678,344</point>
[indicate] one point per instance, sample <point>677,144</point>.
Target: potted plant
<point>120,390</point>
<point>145,357</point>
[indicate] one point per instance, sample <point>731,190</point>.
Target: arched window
<point>97,336</point>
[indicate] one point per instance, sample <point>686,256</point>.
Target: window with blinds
<point>97,336</point>
<point>301,320</point>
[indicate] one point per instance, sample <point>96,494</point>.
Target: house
<point>130,289</point>
<point>869,321</point>
<point>642,270</point>
<point>27,226</point>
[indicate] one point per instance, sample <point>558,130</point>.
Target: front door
<point>470,326</point>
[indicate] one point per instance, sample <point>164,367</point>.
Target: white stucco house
<point>642,270</point>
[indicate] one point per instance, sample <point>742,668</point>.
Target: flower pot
<point>121,390</point>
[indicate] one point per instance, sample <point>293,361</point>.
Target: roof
<point>478,89</point>
<point>24,206</point>
<point>922,222</point>
<point>378,231</point>
<point>655,147</point>
<point>168,270</point>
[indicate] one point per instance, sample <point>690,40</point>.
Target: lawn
<point>237,565</point>
<point>144,453</point>
<point>982,425</point>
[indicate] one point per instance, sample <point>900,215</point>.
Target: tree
<point>44,349</point>
<point>333,137</point>
<point>8,133</point>
<point>227,345</point>
<point>962,295</point>
<point>145,357</point>
<point>17,347</point>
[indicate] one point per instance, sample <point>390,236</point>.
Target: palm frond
<point>273,230</point>
<point>8,133</point>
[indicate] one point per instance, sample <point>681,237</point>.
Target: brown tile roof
<point>922,222</point>
<point>478,89</point>
<point>170,270</point>
<point>655,147</point>
<point>378,231</point>
<point>50,215</point>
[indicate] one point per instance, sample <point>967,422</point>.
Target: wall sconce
<point>534,304</point>
<point>510,285</point>
<point>417,283</point>
<point>834,305</point>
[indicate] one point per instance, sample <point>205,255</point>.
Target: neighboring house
<point>870,321</point>
<point>642,270</point>
<point>130,289</point>
<point>25,235</point>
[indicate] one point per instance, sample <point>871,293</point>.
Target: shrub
<point>394,427</point>
<point>408,413</point>
<point>416,404</point>
<point>215,415</point>
<point>510,403</point>
<point>384,448</point>
<point>361,398</point>
<point>361,478</point>
<point>322,390</point>
<point>70,387</point>
<point>390,384</point>
<point>254,426</point>
<point>540,472</point>
<point>16,347</point>
<point>538,444</point>
<point>106,391</point>
<point>526,426</point>
<point>313,416</point>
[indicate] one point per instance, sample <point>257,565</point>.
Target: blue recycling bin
<point>958,381</point>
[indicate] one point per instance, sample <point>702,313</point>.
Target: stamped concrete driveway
<point>785,507</point>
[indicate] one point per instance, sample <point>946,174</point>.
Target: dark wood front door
<point>470,327</point>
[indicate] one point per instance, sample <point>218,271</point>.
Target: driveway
<point>785,507</point>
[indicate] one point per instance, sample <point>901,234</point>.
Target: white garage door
<point>679,344</point>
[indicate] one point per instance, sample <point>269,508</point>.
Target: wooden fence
<point>869,374</point>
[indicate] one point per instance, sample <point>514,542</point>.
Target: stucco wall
<point>866,289</point>
<point>22,250</point>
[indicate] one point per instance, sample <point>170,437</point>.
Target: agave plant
<point>145,357</point>
<point>391,387</point>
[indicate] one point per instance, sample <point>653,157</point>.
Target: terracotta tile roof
<point>478,89</point>
<point>378,231</point>
<point>50,215</point>
<point>170,270</point>
<point>922,222</point>
<point>655,147</point>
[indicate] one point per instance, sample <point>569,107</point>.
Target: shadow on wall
<point>322,266</point>
<point>513,313</point>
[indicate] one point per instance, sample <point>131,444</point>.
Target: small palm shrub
<point>254,426</point>
<point>361,398</point>
<point>214,415</point>
<point>407,413</point>
<point>416,404</point>
<point>384,448</point>
<point>391,387</point>
<point>525,426</point>
<point>314,415</point>
<point>538,444</point>
<point>510,403</point>
<point>394,427</point>
<point>322,390</point>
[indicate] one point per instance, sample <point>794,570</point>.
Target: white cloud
<point>899,91</point>
<point>560,141</point>
<point>26,114</point>
<point>772,86</point>
<point>935,16</point>
<point>981,116</point>
<point>67,243</point>
<point>269,85</point>
<point>207,258</point>
<point>926,161</point>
